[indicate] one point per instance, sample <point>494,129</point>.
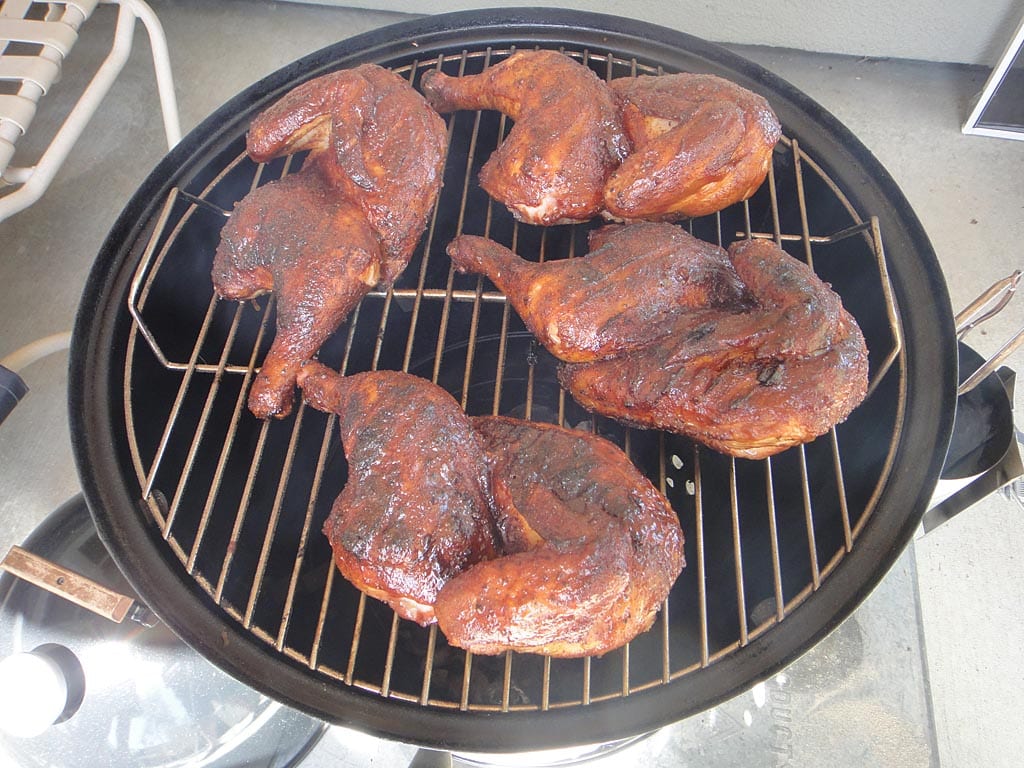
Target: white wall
<point>963,31</point>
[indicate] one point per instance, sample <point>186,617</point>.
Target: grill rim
<point>149,565</point>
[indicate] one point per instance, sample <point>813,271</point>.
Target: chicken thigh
<point>317,252</point>
<point>567,137</point>
<point>414,511</point>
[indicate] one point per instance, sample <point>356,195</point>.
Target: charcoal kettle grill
<point>214,517</point>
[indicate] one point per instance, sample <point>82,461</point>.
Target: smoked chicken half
<point>621,296</point>
<point>414,511</point>
<point>567,138</point>
<point>700,143</point>
<point>348,220</point>
<point>749,383</point>
<point>593,548</point>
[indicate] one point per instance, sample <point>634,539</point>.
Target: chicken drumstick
<point>621,296</point>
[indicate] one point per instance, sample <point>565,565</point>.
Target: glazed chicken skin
<point>619,297</point>
<point>567,138</point>
<point>593,548</point>
<point>317,252</point>
<point>414,511</point>
<point>749,384</point>
<point>375,139</point>
<point>321,238</point>
<point>700,143</point>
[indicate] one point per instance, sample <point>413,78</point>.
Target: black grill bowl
<point>226,548</point>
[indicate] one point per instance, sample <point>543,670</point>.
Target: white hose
<point>36,350</point>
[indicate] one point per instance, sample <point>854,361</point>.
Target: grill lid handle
<point>75,588</point>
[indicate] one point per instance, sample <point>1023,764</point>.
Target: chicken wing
<point>749,384</point>
<point>374,138</point>
<point>414,511</point>
<point>567,137</point>
<point>593,548</point>
<point>621,296</point>
<point>700,144</point>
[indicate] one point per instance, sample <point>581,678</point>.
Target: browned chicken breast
<point>414,511</point>
<point>324,236</point>
<point>567,138</point>
<point>594,548</point>
<point>749,384</point>
<point>619,297</point>
<point>700,144</point>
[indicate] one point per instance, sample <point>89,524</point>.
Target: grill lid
<point>214,517</point>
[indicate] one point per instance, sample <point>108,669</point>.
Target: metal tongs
<point>987,305</point>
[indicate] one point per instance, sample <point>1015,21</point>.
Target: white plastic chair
<point>51,30</point>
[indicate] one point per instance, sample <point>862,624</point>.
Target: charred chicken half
<point>748,383</point>
<point>414,511</point>
<point>350,218</point>
<point>700,144</point>
<point>621,296</point>
<point>567,137</point>
<point>592,548</point>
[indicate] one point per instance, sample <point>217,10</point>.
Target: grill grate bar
<point>702,588</point>
<point>890,309</point>
<point>200,431</point>
<point>322,618</point>
<point>389,661</point>
<point>275,513</point>
<point>138,292</point>
<point>586,679</point>
<point>666,665</point>
<point>389,293</point>
<point>176,407</point>
<point>545,685</point>
<point>222,460</point>
<point>506,682</point>
<point>240,513</point>
<point>805,228</point>
<point>737,551</point>
<point>442,334</point>
<point>773,533</point>
<point>474,323</point>
<point>773,197</point>
<point>467,671</point>
<point>307,522</point>
<point>428,664</point>
<point>625,670</point>
<point>357,633</point>
<point>844,509</point>
<point>812,545</point>
<point>329,579</point>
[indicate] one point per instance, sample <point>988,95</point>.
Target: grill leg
<point>431,758</point>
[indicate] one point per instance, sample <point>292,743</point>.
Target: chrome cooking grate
<point>240,502</point>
